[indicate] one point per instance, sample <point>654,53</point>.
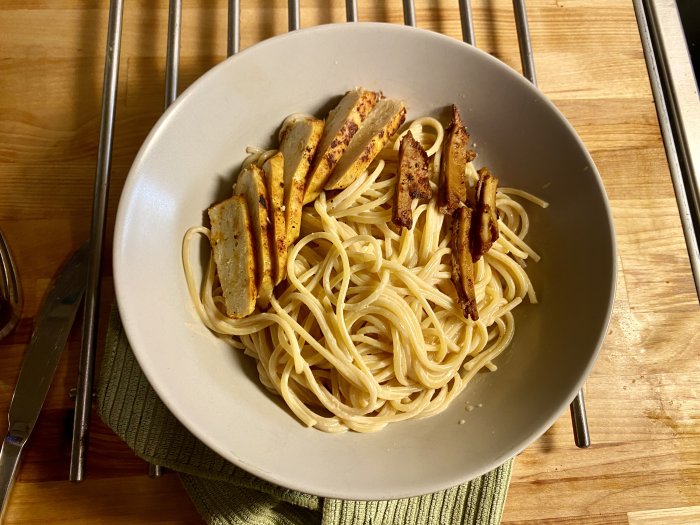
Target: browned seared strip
<point>417,157</point>
<point>251,184</point>
<point>274,178</point>
<point>485,230</point>
<point>340,127</point>
<point>234,255</point>
<point>374,133</point>
<point>412,181</point>
<point>299,138</point>
<point>455,155</point>
<point>462,265</point>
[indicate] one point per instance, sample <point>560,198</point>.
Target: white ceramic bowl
<point>189,161</point>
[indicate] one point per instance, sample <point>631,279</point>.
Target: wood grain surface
<point>644,393</point>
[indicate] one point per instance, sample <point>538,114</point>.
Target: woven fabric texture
<point>227,495</point>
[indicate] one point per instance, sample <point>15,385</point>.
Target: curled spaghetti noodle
<point>367,329</point>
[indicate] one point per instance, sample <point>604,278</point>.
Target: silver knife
<point>39,364</point>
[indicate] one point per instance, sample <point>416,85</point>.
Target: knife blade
<point>39,364</point>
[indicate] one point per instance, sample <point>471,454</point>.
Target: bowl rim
<point>131,182</point>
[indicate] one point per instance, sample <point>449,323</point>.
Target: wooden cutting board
<point>643,395</point>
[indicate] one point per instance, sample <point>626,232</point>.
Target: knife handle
<point>10,454</point>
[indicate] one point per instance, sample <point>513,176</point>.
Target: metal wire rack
<point>83,402</point>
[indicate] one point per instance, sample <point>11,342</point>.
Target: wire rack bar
<point>172,63</point>
<point>577,408</point>
<point>466,20</point>
<point>294,15</point>
<point>579,421</point>
<point>686,183</point>
<point>234,27</point>
<point>522,28</point>
<point>172,57</point>
<point>351,10</point>
<point>409,13</point>
<point>86,371</point>
<point>86,367</point>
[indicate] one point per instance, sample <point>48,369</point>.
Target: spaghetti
<point>367,331</point>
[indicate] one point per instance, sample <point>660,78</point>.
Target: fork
<point>10,291</point>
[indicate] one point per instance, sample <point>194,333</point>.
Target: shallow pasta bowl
<point>189,161</point>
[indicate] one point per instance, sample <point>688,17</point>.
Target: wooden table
<point>644,393</point>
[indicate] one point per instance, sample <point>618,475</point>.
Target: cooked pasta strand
<point>367,330</point>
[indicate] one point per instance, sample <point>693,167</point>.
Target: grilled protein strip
<point>412,180</point>
<point>374,133</point>
<point>299,138</point>
<point>341,125</point>
<point>455,157</point>
<point>485,229</point>
<point>251,184</point>
<point>232,243</point>
<point>462,264</point>
<point>274,178</point>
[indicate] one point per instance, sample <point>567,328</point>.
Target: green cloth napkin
<point>227,495</point>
